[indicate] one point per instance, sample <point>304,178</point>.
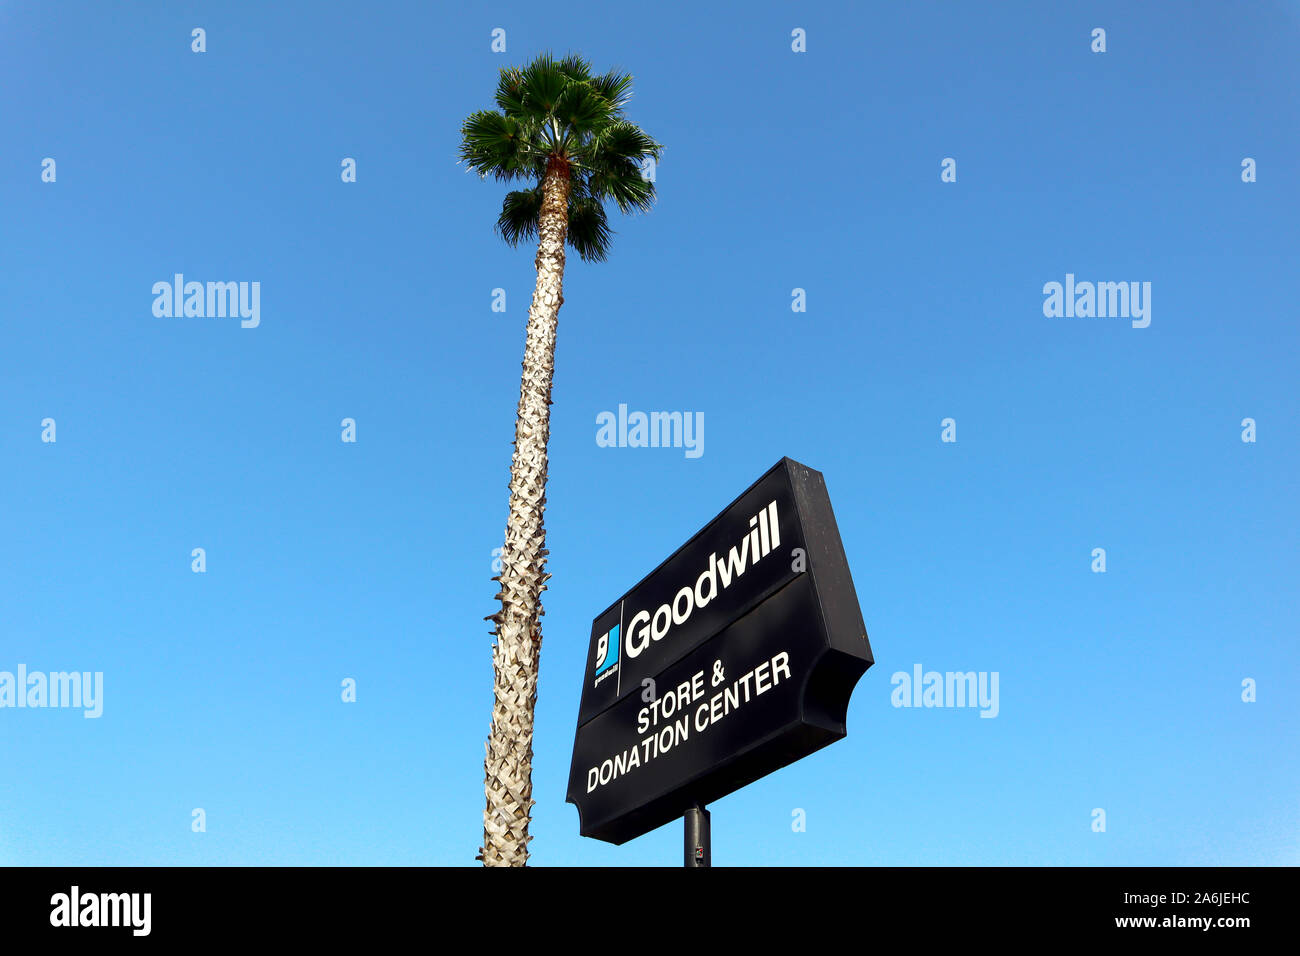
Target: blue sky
<point>818,171</point>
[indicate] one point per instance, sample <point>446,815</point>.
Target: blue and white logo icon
<point>607,650</point>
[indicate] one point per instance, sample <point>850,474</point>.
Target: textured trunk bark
<point>508,767</point>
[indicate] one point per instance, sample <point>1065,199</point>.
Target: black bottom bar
<point>338,905</point>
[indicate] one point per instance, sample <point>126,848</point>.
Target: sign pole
<point>699,852</point>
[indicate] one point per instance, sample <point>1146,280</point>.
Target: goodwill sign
<point>733,658</point>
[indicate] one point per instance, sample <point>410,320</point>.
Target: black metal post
<point>699,852</point>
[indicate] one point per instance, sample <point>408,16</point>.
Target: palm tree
<point>561,130</point>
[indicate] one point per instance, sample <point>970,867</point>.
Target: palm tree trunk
<point>508,767</point>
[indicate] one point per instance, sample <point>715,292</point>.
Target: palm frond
<point>626,186</point>
<point>544,81</point>
<point>627,140</point>
<point>519,215</point>
<point>497,145</point>
<point>589,232</point>
<point>615,86</point>
<point>582,111</point>
<point>576,68</point>
<point>510,91</point>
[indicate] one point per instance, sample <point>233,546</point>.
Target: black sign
<point>733,658</point>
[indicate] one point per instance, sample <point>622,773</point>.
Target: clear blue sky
<point>783,170</point>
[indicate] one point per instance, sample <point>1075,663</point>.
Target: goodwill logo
<point>606,653</point>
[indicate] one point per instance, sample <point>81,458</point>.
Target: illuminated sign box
<point>733,658</point>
